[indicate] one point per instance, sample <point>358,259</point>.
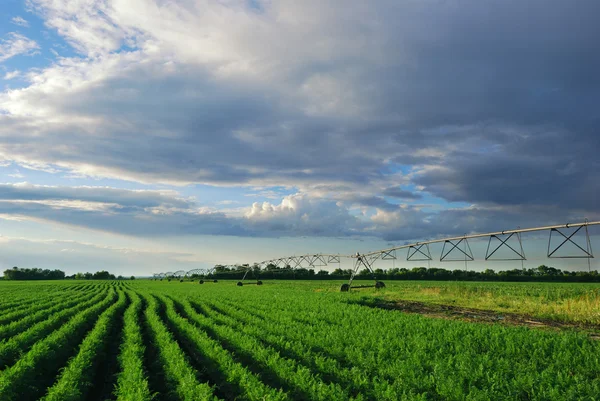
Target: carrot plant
<point>132,383</point>
<point>76,379</point>
<point>180,375</point>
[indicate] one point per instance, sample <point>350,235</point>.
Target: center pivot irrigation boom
<point>452,246</point>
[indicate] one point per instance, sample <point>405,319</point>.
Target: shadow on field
<point>476,315</point>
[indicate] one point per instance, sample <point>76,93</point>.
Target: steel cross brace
<point>321,261</point>
<point>417,248</point>
<point>468,256</point>
<point>388,255</point>
<point>298,261</point>
<point>504,242</point>
<point>333,259</point>
<point>588,252</point>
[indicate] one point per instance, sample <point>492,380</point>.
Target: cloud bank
<point>363,109</point>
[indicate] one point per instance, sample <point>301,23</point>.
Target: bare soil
<point>483,316</point>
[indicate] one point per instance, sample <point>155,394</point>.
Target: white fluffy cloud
<point>20,21</point>
<point>14,44</point>
<point>302,215</point>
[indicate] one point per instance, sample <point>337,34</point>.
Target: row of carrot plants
<point>77,378</point>
<point>34,315</point>
<point>439,357</point>
<point>16,345</point>
<point>320,346</point>
<point>31,306</point>
<point>231,378</point>
<point>160,341</point>
<point>37,369</point>
<point>132,381</point>
<point>295,378</point>
<point>26,292</point>
<point>180,377</point>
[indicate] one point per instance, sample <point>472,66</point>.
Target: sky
<point>144,136</point>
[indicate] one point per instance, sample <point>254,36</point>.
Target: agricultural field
<point>297,340</point>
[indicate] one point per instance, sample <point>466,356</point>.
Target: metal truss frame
<point>504,243</point>
<point>468,256</point>
<point>588,253</point>
<point>417,249</point>
<point>420,250</point>
<point>388,255</point>
<point>333,259</point>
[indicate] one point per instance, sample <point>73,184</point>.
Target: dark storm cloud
<point>397,192</point>
<point>488,102</point>
<point>122,197</point>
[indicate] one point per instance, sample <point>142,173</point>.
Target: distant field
<point>284,340</point>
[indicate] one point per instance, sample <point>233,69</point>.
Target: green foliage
<point>541,273</point>
<point>132,383</point>
<point>179,374</point>
<point>25,380</point>
<point>33,274</point>
<point>287,340</point>
<point>76,379</point>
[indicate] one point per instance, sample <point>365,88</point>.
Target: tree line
<point>35,273</point>
<point>540,273</point>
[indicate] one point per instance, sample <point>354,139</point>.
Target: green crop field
<point>297,340</point>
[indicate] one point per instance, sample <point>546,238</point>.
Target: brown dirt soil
<point>484,316</point>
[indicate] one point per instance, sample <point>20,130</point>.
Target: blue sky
<point>145,136</point>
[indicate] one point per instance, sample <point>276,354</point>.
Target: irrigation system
<point>420,251</point>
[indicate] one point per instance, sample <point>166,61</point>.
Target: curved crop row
<point>276,335</point>
<point>11,307</point>
<point>33,317</point>
<point>299,380</point>
<point>234,373</point>
<point>16,345</point>
<point>25,310</point>
<point>76,379</point>
<point>132,383</point>
<point>22,295</point>
<point>178,372</point>
<point>36,370</point>
<point>445,359</point>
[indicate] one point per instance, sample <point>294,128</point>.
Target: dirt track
<point>483,316</point>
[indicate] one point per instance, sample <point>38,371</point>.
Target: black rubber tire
<point>345,287</point>
<point>201,282</point>
<point>239,284</point>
